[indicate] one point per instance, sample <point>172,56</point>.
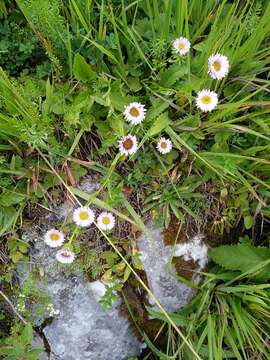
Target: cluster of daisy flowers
<point>82,217</point>
<point>218,68</point>
<point>206,100</point>
<point>134,114</point>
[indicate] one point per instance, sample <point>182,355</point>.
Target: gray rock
<point>171,293</point>
<point>81,330</point>
<point>89,184</point>
<point>194,250</point>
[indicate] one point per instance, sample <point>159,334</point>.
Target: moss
<point>175,233</point>
<point>185,268</point>
<point>136,311</point>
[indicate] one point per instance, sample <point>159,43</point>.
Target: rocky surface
<point>81,330</point>
<point>78,329</point>
<point>194,250</point>
<point>171,293</point>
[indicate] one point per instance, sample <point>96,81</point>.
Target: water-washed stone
<point>81,330</point>
<point>170,292</point>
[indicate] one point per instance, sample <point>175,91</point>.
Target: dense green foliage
<point>19,344</point>
<point>229,318</point>
<point>68,69</point>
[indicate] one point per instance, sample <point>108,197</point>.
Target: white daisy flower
<point>206,100</point>
<point>134,113</point>
<point>164,146</point>
<point>83,216</point>
<point>128,145</point>
<point>106,221</point>
<point>218,66</point>
<point>65,256</point>
<point>181,46</point>
<point>54,238</point>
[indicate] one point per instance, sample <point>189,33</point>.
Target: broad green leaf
<point>172,74</point>
<point>248,221</point>
<point>9,198</point>
<point>27,335</point>
<point>82,70</point>
<point>241,257</point>
<point>8,217</point>
<point>159,125</point>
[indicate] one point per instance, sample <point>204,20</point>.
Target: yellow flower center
<point>54,237</point>
<point>106,220</point>
<point>216,65</point>
<point>84,215</point>
<point>163,145</point>
<point>127,144</point>
<point>134,112</point>
<point>181,46</point>
<point>65,254</point>
<point>206,100</point>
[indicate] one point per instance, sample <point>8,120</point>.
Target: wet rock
<point>171,293</point>
<point>194,250</point>
<point>89,184</point>
<point>81,330</point>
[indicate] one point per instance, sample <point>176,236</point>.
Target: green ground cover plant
<point>69,70</point>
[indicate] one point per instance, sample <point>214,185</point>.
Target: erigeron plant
<point>83,217</point>
<point>135,113</point>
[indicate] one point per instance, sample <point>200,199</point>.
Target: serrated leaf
<point>241,257</point>
<point>9,198</point>
<point>172,74</point>
<point>158,107</point>
<point>159,125</point>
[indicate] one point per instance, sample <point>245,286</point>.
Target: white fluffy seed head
<point>65,256</point>
<point>135,113</point>
<point>128,145</point>
<point>181,46</point>
<point>106,221</point>
<point>83,216</point>
<point>218,66</point>
<point>54,238</point>
<point>164,145</point>
<point>207,100</point>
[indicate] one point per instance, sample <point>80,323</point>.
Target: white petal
<point>80,220</point>
<point>222,61</point>
<point>49,240</point>
<point>139,117</point>
<point>65,256</point>
<point>110,218</point>
<point>181,46</point>
<point>162,149</point>
<point>130,150</point>
<point>206,106</point>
